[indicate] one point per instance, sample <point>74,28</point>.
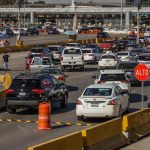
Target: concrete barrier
<point>107,135</point>
<point>5,80</point>
<point>137,124</point>
<point>69,142</point>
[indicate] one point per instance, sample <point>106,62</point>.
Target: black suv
<point>27,90</point>
<point>32,31</point>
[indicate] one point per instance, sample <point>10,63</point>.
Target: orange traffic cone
<point>44,116</point>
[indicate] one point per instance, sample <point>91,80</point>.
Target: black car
<point>27,90</point>
<point>103,35</point>
<point>53,31</point>
<point>32,31</point>
<point>128,67</point>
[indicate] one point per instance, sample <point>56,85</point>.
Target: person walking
<point>5,61</point>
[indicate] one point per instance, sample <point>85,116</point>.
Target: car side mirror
<point>94,77</point>
<point>124,92</point>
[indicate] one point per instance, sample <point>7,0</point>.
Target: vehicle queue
<point>108,96</point>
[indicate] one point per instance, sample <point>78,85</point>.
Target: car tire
<point>79,118</point>
<point>82,68</point>
<point>119,112</point>
<point>65,101</point>
<point>11,110</point>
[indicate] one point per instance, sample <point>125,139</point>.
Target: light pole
<point>138,26</point>
<point>75,15</point>
<point>121,15</point>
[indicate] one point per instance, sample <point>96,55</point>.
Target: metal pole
<point>18,38</point>
<point>142,94</point>
<point>24,15</point>
<point>121,20</point>
<point>75,15</point>
<point>138,26</point>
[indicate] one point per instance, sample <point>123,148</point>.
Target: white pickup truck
<point>72,58</point>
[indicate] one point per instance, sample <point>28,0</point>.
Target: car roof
<point>104,85</point>
<point>124,52</point>
<point>144,54</point>
<point>104,54</point>
<point>54,46</point>
<point>112,71</point>
<point>128,62</point>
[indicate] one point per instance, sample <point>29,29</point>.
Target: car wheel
<point>79,118</point>
<point>11,110</point>
<point>65,101</point>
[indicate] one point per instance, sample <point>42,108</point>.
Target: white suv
<point>108,61</point>
<point>117,76</point>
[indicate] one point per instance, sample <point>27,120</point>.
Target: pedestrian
<point>5,61</point>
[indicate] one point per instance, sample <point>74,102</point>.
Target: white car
<point>117,76</point>
<point>144,58</point>
<point>102,100</point>
<point>56,51</point>
<point>124,55</point>
<point>107,61</point>
<point>39,63</point>
<point>90,55</point>
<point>74,45</point>
<point>72,58</point>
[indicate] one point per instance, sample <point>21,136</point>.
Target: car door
<point>59,92</point>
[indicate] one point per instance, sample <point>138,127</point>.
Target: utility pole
<point>121,15</point>
<point>75,15</point>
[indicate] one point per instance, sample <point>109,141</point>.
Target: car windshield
<point>37,61</point>
<point>108,57</point>
<point>90,46</point>
<point>127,66</point>
<point>25,84</point>
<point>52,71</point>
<point>72,51</point>
<point>53,49</point>
<point>144,58</point>
<point>86,51</point>
<point>36,50</point>
<point>97,92</point>
<point>122,54</point>
<point>73,45</point>
<point>46,61</point>
<point>113,77</point>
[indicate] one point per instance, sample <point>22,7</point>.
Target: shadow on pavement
<point>147,83</point>
<point>135,97</point>
<point>72,88</point>
<point>58,110</point>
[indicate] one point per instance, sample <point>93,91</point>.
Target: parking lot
<point>24,134</point>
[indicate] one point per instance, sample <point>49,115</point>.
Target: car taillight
<point>38,91</point>
<point>9,91</point>
<point>99,82</point>
<point>78,102</point>
<point>124,81</point>
<point>61,58</point>
<point>112,102</point>
<point>61,78</point>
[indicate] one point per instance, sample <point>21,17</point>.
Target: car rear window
<point>72,51</point>
<point>127,66</point>
<point>122,54</point>
<point>113,77</point>
<point>108,57</point>
<point>36,50</point>
<point>86,51</point>
<point>144,58</point>
<point>26,84</point>
<point>90,46</point>
<point>98,92</point>
<point>52,71</point>
<point>53,49</point>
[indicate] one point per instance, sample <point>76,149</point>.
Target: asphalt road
<point>44,38</point>
<point>18,136</point>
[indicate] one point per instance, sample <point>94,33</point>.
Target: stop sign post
<point>141,72</point>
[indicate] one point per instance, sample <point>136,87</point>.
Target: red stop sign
<point>141,72</point>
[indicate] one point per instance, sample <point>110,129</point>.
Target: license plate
<point>22,94</point>
<point>94,105</point>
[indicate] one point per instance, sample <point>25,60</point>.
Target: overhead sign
<point>141,72</point>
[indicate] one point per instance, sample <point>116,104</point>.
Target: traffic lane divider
<point>107,135</point>
<point>71,141</point>
<point>57,122</point>
<point>137,124</point>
